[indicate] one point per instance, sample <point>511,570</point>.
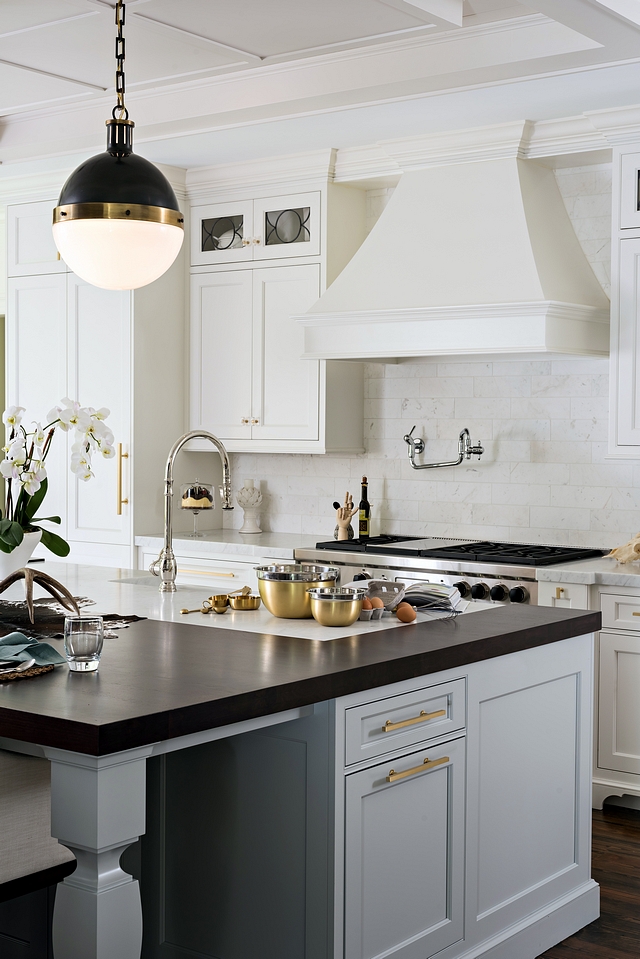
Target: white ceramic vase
<point>20,556</point>
<point>249,499</point>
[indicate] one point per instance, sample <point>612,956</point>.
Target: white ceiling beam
<point>198,36</point>
<point>628,10</point>
<point>441,13</point>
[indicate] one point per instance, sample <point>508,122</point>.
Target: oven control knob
<point>499,593</point>
<point>463,588</point>
<point>359,576</point>
<point>479,591</point>
<point>518,594</point>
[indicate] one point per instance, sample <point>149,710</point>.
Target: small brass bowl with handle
<point>336,606</point>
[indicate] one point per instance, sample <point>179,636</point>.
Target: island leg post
<point>97,810</point>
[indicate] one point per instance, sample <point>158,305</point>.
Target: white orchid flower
<point>53,414</point>
<point>17,451</point>
<point>70,417</point>
<point>12,416</point>
<point>80,462</point>
<point>107,451</point>
<point>30,482</point>
<point>38,435</point>
<point>9,470</point>
<point>101,414</point>
<point>87,475</point>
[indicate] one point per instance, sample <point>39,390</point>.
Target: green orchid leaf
<point>11,533</point>
<point>47,519</point>
<point>55,543</point>
<point>35,502</point>
<point>4,548</point>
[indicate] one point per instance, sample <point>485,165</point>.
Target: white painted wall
<point>543,478</point>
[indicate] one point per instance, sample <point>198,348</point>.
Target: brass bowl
<point>336,606</point>
<point>284,589</point>
<point>220,608</point>
<point>221,599</point>
<point>244,602</point>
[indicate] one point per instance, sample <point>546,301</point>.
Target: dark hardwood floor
<point>616,866</point>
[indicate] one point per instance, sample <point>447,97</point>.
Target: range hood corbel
<point>471,258</point>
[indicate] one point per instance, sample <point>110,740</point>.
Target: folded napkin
<point>18,648</point>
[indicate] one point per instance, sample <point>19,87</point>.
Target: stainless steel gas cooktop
<point>517,554</point>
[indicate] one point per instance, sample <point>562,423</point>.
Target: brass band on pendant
<point>118,211</point>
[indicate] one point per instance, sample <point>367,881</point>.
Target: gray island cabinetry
<point>417,791</point>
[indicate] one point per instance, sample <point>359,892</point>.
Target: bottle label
<point>363,524</point>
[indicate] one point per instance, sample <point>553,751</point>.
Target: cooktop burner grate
<point>514,553</point>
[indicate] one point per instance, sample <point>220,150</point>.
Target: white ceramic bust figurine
<point>249,499</point>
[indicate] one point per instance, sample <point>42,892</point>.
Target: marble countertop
<point>135,593</point>
<point>600,571</point>
<point>230,542</point>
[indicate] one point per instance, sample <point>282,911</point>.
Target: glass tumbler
<point>83,639</point>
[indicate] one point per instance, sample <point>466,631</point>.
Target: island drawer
<point>620,612</point>
<point>220,576</point>
<point>391,724</point>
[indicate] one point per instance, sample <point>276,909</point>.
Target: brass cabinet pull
<point>254,421</point>
<point>389,726</point>
<point>208,572</point>
<point>559,592</point>
<point>393,776</point>
<point>120,501</point>
<point>635,614</point>
<point>244,420</point>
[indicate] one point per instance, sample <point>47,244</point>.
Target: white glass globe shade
<point>118,254</point>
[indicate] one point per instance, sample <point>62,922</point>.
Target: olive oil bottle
<point>364,512</point>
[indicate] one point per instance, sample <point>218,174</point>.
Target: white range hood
<point>469,258</point>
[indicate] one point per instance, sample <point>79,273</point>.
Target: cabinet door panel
<point>619,704</point>
<point>221,305</point>
<point>287,226</point>
<point>222,233</point>
<point>37,370</point>
<point>404,856</point>
<point>285,387</point>
<point>628,353</point>
<point>100,375</point>
<point>630,191</point>
<point>30,246</point>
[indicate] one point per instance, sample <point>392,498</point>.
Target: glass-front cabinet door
<point>221,233</point>
<point>287,226</point>
<point>266,229</point>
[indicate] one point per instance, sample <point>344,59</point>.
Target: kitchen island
<point>442,772</point>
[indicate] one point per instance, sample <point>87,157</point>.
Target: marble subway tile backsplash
<point>543,422</point>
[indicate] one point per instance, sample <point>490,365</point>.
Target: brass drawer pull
<point>208,572</point>
<point>389,726</point>
<point>393,776</point>
<point>635,614</point>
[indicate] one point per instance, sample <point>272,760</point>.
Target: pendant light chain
<point>120,109</point>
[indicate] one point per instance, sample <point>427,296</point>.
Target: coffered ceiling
<point>197,67</point>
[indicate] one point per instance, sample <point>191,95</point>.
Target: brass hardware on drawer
<point>393,776</point>
<point>208,572</point>
<point>559,592</point>
<point>254,421</point>
<point>244,421</point>
<point>389,726</point>
<point>635,614</point>
<point>120,501</point>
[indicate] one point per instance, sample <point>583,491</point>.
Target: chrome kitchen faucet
<point>165,565</point>
<point>465,450</point>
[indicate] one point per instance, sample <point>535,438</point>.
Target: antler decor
<point>52,586</point>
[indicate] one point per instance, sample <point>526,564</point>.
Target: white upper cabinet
<point>630,191</point>
<point>248,383</point>
<point>99,324</point>
<point>263,229</point>
<point>624,405</point>
<point>30,246</point>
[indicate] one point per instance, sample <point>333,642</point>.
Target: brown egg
<point>366,603</point>
<point>376,603</point>
<point>405,613</point>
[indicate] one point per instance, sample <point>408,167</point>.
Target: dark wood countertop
<point>161,680</point>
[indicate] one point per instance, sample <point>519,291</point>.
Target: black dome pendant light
<point>117,223</point>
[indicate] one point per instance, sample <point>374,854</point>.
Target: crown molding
<point>459,146</point>
<point>301,170</point>
<point>618,126</point>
